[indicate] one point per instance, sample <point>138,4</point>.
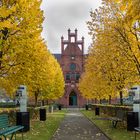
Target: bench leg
<point>12,136</point>
<point>15,136</point>
<point>114,123</point>
<point>22,135</point>
<point>4,137</point>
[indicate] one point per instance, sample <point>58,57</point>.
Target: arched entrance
<point>73,99</point>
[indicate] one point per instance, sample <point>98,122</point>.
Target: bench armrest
<point>137,129</point>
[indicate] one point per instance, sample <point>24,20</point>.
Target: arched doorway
<point>73,99</point>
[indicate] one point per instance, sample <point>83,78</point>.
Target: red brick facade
<point>71,60</point>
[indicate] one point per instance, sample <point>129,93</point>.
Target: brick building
<point>71,60</point>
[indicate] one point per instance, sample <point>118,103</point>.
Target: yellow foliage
<point>114,60</point>
<point>24,58</point>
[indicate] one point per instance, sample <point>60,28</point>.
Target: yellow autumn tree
<point>24,57</point>
<point>115,48</point>
<point>95,81</point>
<point>54,88</point>
<point>41,74</point>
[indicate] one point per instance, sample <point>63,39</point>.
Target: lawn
<point>44,130</point>
<point>120,133</point>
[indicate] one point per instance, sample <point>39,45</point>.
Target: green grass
<point>44,130</point>
<point>119,133</point>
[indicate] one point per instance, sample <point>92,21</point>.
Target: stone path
<point>75,126</point>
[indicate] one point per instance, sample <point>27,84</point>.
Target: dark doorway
<point>73,99</point>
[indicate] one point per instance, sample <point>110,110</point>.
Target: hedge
<point>111,110</point>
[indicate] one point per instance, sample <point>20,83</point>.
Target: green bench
<point>6,129</point>
<point>118,118</point>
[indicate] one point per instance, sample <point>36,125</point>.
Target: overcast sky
<point>60,15</point>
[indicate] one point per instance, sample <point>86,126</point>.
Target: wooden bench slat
<point>7,129</point>
<point>3,115</point>
<point>4,122</point>
<point>4,125</point>
<point>12,130</point>
<point>3,118</point>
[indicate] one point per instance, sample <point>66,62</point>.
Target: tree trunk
<point>43,103</point>
<point>100,101</point>
<point>95,101</point>
<point>36,98</point>
<point>109,101</point>
<point>0,58</point>
<point>47,101</point>
<point>5,35</point>
<point>121,98</point>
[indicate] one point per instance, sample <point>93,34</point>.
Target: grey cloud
<point>61,16</point>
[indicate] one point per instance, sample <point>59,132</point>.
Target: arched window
<point>72,66</point>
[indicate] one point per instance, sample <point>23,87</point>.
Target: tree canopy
<point>24,57</point>
<point>114,59</point>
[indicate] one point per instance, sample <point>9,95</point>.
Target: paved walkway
<point>75,126</point>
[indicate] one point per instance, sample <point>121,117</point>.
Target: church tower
<point>72,61</point>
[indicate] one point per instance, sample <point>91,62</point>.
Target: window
<point>77,76</point>
<point>65,46</point>
<point>72,39</point>
<point>80,46</point>
<point>67,76</point>
<point>72,66</point>
<point>72,57</point>
<point>72,76</point>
